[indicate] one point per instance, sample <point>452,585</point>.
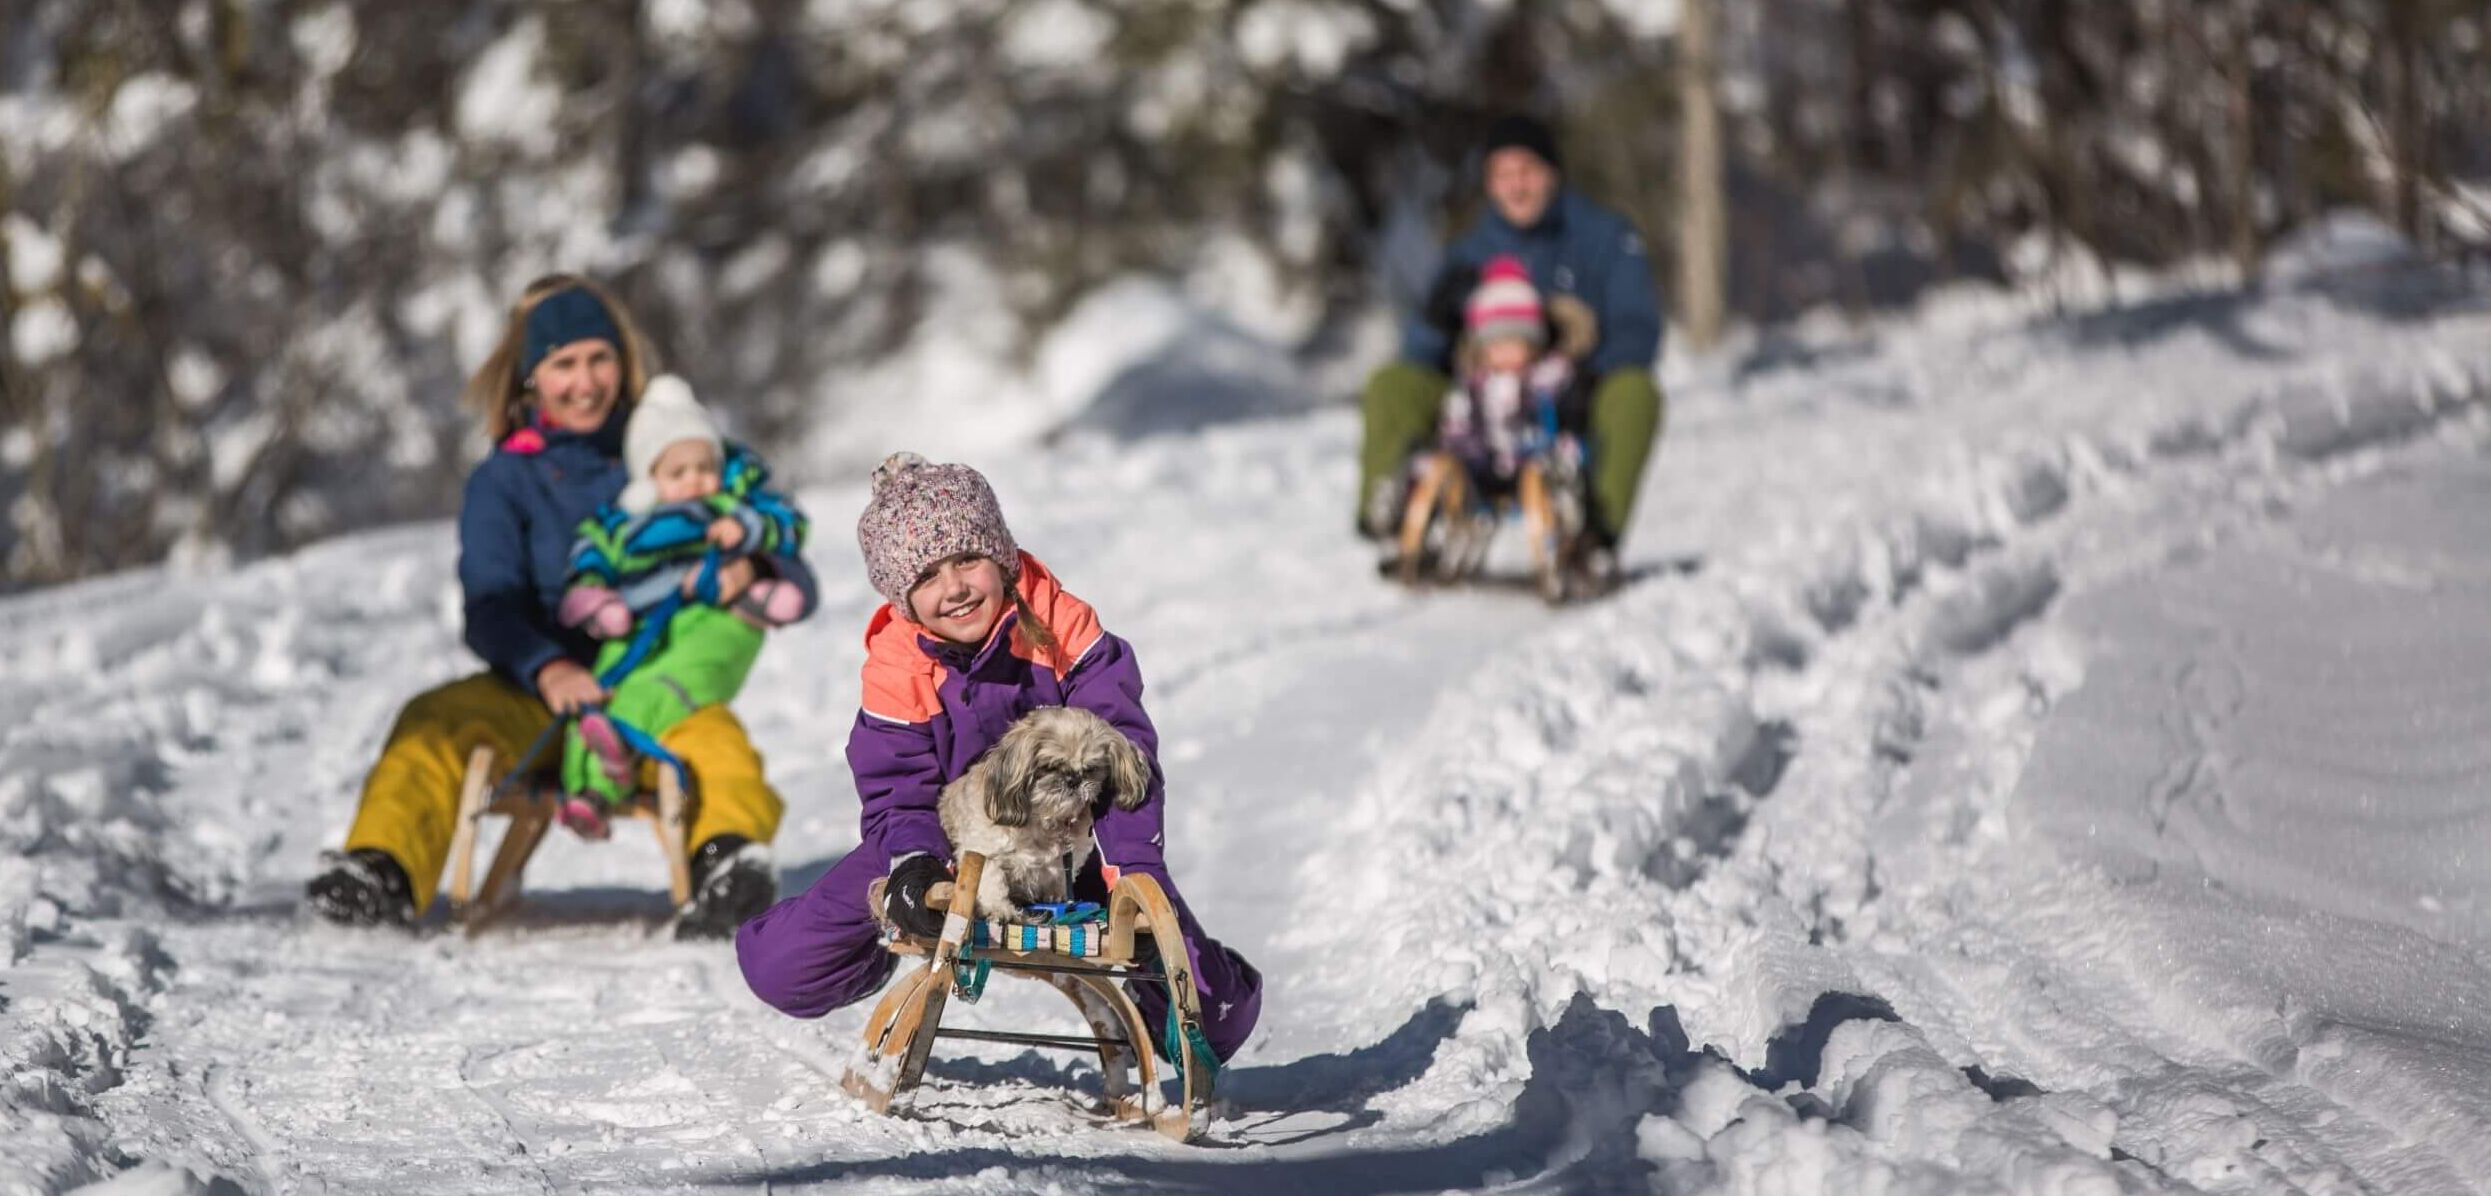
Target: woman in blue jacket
<point>554,398</point>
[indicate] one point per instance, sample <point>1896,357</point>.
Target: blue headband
<point>570,314</point>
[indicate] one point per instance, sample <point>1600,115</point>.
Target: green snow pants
<point>1627,415</point>
<point>706,655</point>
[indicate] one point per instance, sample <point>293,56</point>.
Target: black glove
<point>904,898</point>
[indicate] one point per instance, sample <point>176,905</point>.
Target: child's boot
<point>589,790</point>
<point>584,815</point>
<point>605,742</point>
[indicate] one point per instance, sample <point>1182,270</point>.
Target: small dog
<point>1029,802</point>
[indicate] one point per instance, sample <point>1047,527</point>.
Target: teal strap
<point>1180,1032</point>
<point>968,975</point>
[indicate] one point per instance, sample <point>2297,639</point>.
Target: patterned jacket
<point>645,557</point>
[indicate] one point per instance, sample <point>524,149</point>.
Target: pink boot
<point>585,816</point>
<point>597,731</point>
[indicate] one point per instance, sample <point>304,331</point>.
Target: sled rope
<point>527,759</point>
<point>633,737</point>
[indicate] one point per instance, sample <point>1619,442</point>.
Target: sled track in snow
<point>1902,622</point>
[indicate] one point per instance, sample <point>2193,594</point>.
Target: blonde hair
<point>1036,632</point>
<point>499,396</point>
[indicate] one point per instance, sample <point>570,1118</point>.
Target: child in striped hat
<point>1507,369</point>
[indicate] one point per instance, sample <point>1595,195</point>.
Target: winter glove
<point>904,898</point>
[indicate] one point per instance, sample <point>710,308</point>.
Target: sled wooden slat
<point>908,1019</point>
<point>530,815</point>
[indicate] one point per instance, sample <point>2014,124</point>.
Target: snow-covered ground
<point>2035,753</point>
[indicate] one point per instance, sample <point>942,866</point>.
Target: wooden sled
<point>530,814</point>
<point>1446,525</point>
<point>1088,969</point>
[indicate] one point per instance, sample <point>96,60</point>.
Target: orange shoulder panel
<point>902,683</point>
<point>1069,619</point>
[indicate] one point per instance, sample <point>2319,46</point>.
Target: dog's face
<point>1057,766</point>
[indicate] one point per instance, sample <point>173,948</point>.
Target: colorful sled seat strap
<point>1022,938</point>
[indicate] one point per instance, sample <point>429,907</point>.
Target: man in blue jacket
<point>1572,246</point>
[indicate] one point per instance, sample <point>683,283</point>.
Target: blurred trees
<point>250,246</point>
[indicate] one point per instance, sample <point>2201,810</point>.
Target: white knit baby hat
<point>667,413</point>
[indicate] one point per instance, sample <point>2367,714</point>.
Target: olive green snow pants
<point>1627,414</point>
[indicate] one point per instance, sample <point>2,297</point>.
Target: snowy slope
<point>2034,754</point>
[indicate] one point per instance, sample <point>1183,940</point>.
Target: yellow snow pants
<point>410,800</point>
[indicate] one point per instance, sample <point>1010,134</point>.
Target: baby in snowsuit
<point>1511,370</point>
<point>643,579</point>
<point>975,634</point>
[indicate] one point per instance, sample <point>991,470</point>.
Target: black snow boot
<point>363,887</point>
<point>1595,562</point>
<point>732,879</point>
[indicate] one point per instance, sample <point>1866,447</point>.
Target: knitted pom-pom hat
<point>922,513</point>
<point>666,414</point>
<point>1505,304</point>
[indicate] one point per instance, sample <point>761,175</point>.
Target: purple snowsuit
<point>930,709</point>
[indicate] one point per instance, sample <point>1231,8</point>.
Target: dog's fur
<point>1030,801</point>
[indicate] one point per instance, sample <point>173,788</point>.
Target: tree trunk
<point>1703,233</point>
<point>2241,74</point>
<point>2404,110</point>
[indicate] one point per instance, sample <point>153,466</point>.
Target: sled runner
<point>530,812</point>
<point>1088,961</point>
<point>1451,515</point>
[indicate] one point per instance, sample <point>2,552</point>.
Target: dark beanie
<point>570,314</point>
<point>1516,131</point>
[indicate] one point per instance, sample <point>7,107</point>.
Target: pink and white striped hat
<point>1505,305</point>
